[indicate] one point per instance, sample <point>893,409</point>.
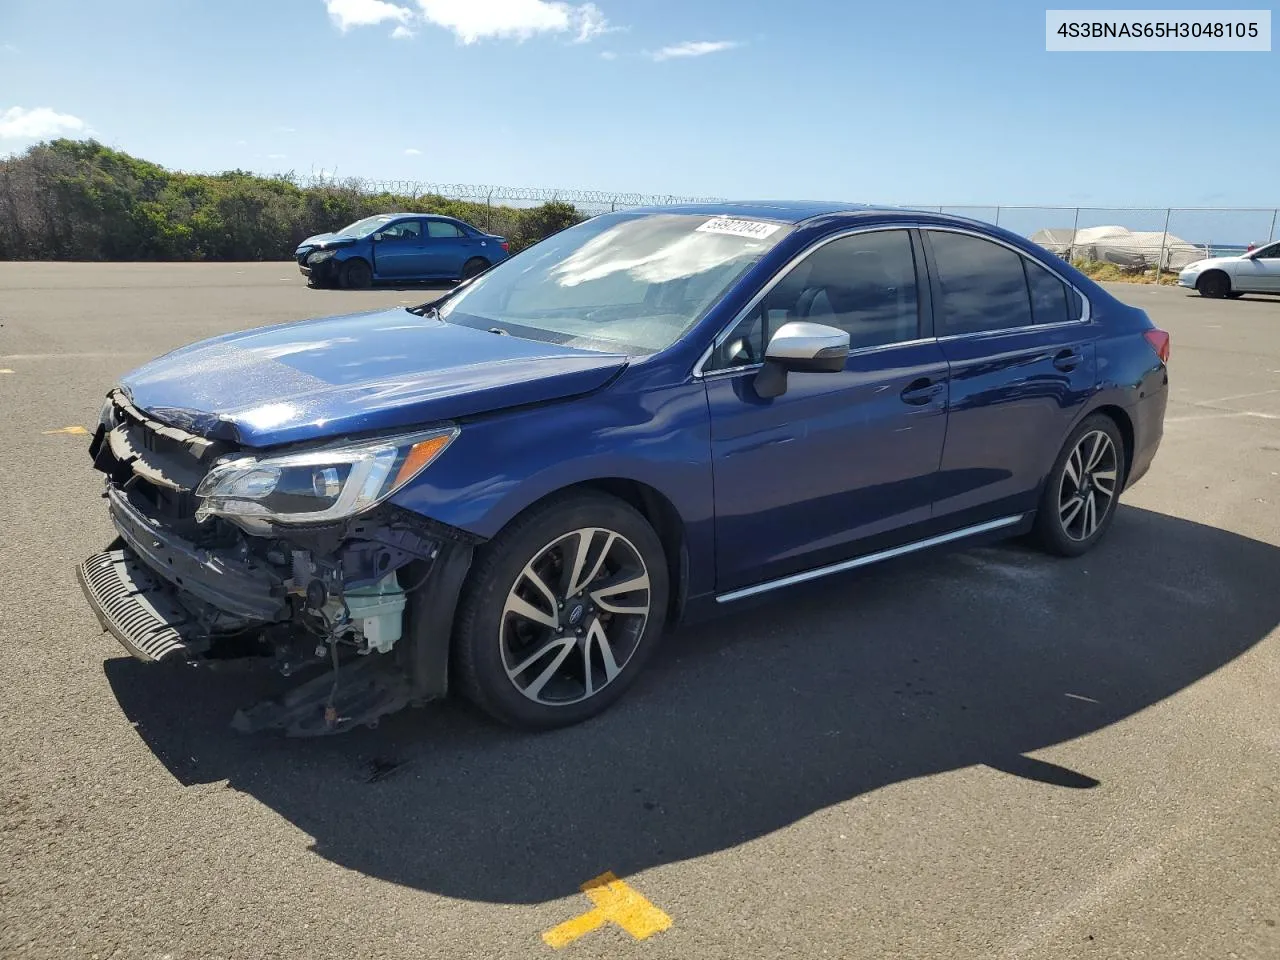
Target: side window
<point>864,284</point>
<point>1270,253</point>
<point>1049,300</point>
<point>983,286</point>
<point>442,228</point>
<point>404,230</point>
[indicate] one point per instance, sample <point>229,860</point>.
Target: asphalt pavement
<point>989,753</point>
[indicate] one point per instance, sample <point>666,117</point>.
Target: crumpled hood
<point>324,241</point>
<point>368,371</point>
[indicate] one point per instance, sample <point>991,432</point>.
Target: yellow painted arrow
<point>74,431</point>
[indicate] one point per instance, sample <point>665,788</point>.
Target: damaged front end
<point>293,563</point>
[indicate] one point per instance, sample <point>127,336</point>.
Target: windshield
<point>620,281</point>
<point>362,228</point>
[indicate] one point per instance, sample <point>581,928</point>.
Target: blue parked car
<point>398,247</point>
<point>647,418</point>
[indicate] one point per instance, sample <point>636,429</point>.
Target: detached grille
<point>161,467</point>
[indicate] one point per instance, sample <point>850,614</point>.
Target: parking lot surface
<point>990,753</point>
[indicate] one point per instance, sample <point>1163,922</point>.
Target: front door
<point>1259,273</point>
<point>400,251</point>
<point>1022,365</point>
<point>806,478</point>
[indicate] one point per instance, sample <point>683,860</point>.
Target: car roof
<point>796,211</point>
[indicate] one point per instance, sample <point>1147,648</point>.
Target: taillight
<point>506,247</point>
<point>1159,340</point>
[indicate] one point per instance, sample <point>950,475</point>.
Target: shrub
<point>80,200</point>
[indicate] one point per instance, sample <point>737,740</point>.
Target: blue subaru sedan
<point>398,247</point>
<point>649,417</point>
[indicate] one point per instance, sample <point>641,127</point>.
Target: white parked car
<point>1257,271</point>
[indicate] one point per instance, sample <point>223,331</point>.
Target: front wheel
<point>1083,488</point>
<point>1214,284</point>
<point>561,612</point>
<point>356,275</point>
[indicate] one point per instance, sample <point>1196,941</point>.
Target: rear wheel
<point>1083,488</point>
<point>356,275</point>
<point>474,266</point>
<point>561,612</point>
<point>1215,284</point>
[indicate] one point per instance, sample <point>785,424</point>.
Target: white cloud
<point>287,129</point>
<point>402,33</point>
<point>413,152</point>
<point>276,156</point>
<point>19,123</point>
<point>472,20</point>
<point>694,48</point>
<point>364,13</point>
<point>608,55</point>
<point>9,48</point>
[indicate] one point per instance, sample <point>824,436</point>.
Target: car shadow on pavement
<point>744,725</point>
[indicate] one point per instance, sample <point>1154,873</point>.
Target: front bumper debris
<point>212,594</point>
<point>138,607</point>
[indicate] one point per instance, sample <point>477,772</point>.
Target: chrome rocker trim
<point>869,558</point>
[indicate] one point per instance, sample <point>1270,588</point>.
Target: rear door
<point>1022,363</point>
<point>400,250</point>
<point>450,248</point>
<point>810,477</point>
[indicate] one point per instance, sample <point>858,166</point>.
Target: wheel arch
<point>658,511</point>
<point>1120,417</point>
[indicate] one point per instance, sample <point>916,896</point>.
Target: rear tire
<point>544,635</point>
<point>473,267</point>
<point>356,275</point>
<point>1214,284</point>
<point>1082,490</point>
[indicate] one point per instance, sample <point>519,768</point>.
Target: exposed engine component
<point>370,616</point>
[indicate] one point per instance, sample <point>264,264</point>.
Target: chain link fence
<point>1133,239</point>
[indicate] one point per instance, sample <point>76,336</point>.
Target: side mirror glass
<point>802,347</point>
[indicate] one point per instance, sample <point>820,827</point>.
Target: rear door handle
<point>1068,360</point>
<point>921,391</point>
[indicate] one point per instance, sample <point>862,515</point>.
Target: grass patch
<point>1112,273</point>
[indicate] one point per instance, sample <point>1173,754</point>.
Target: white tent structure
<point>1135,249</point>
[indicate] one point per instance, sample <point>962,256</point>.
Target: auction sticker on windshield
<point>754,229</point>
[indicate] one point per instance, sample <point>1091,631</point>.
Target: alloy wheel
<point>574,616</point>
<point>1087,486</point>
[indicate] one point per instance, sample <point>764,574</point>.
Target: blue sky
<point>926,101</point>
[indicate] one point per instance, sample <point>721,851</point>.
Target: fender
<point>503,463</point>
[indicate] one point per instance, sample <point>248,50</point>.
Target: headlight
<point>320,256</point>
<point>332,483</point>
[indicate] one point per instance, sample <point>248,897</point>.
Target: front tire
<point>561,612</point>
<point>356,275</point>
<point>1081,492</point>
<point>1214,284</point>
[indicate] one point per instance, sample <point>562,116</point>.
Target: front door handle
<point>1068,360</point>
<point>921,391</point>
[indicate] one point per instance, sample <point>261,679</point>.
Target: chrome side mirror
<point>802,347</point>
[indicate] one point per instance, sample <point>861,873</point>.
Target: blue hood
<point>325,241</point>
<point>369,371</point>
